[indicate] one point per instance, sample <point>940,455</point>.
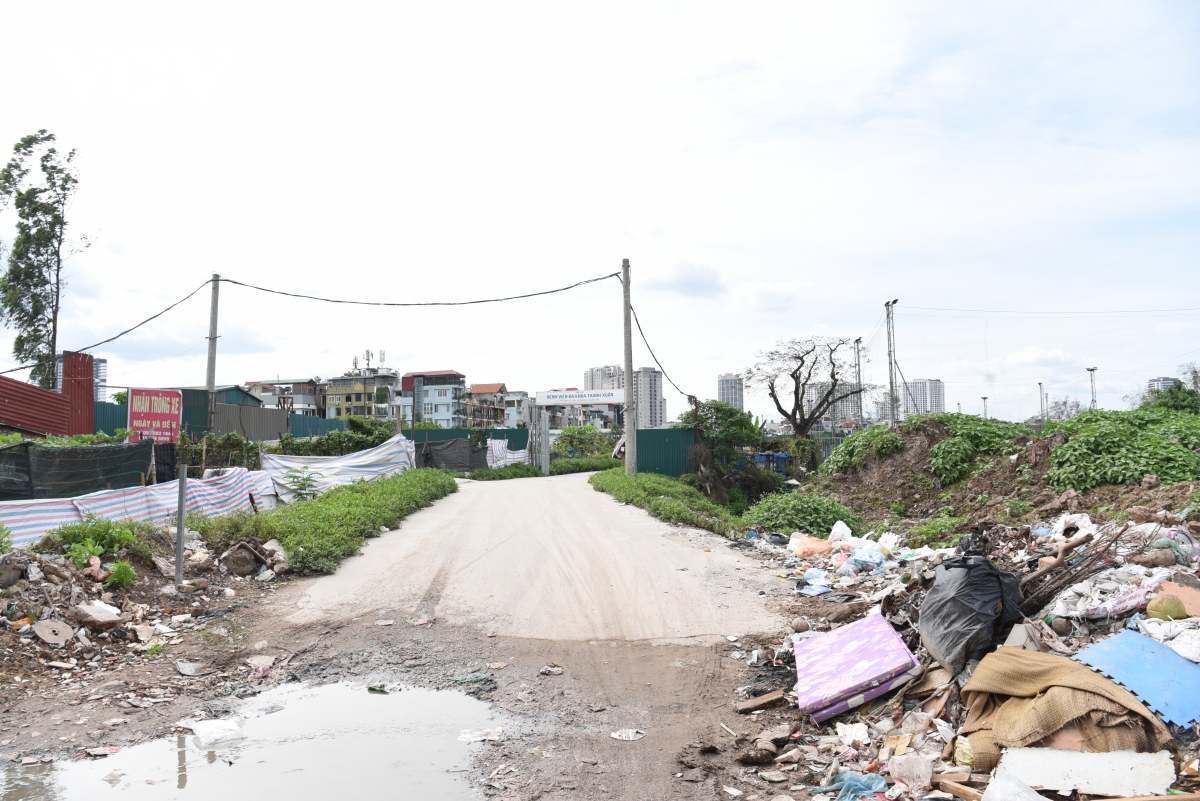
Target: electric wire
<point>325,300</point>
<point>652,356</point>
<point>117,336</point>
<point>425,303</point>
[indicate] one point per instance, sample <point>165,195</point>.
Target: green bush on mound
<point>800,511</point>
<point>667,499</point>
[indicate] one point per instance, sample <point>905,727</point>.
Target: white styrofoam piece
<point>1118,773</point>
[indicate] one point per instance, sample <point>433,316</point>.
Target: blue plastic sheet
<point>1162,679</point>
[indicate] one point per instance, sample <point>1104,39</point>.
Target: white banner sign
<point>581,397</point>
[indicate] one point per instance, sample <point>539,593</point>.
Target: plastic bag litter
<point>628,734</point>
<point>804,546</point>
<point>1006,787</point>
<point>912,769</point>
<point>815,575</point>
<point>212,733</point>
<point>1181,636</point>
<point>839,532</point>
<point>970,602</point>
<point>853,786</point>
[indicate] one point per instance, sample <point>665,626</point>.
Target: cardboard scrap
<point>1189,596</point>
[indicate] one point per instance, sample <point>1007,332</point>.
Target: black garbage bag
<point>971,603</point>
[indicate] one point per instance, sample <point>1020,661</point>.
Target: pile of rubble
<point>61,626</point>
<point>1060,656</point>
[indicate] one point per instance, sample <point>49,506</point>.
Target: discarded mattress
<point>1161,678</point>
<point>1018,698</point>
<point>851,665</point>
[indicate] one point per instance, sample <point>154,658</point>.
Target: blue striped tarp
<point>30,520</point>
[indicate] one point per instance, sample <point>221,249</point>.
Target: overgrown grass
<point>503,473</point>
<point>218,533</point>
<point>952,459</point>
<point>594,464</point>
<point>1122,447</point>
<point>937,533</point>
<point>854,451</point>
<point>667,499</point>
<point>318,534</point>
<point>98,536</point>
<point>808,513</point>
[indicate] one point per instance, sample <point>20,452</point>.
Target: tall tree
<point>805,378</point>
<point>31,288</point>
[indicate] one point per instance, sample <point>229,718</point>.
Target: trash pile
<point>60,623</point>
<point>1062,657</point>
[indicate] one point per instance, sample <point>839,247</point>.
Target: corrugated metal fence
<point>303,426</point>
<point>664,450</point>
<point>252,422</point>
<point>34,410</point>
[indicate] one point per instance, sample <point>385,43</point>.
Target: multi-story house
<point>485,405</point>
<point>365,392</point>
<point>298,395</point>
<point>518,410</point>
<point>442,395</point>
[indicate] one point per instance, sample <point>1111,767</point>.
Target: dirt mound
<point>900,491</point>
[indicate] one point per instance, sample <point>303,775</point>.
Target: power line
<point>1063,313</point>
<point>117,336</point>
<point>652,356</point>
<point>427,303</point>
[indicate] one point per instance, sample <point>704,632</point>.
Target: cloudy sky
<point>1022,176</point>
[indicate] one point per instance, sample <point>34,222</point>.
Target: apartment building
<point>729,390</point>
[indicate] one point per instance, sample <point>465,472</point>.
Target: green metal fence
<point>110,417</point>
<point>303,426</point>
<point>664,450</point>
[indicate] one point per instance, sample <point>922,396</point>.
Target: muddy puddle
<point>293,742</point>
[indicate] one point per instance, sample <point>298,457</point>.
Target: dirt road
<point>548,558</point>
<point>518,575</point>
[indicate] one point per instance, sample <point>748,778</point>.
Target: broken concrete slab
<point>97,616</point>
<point>1118,773</point>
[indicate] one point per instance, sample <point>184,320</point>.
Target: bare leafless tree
<point>805,378</point>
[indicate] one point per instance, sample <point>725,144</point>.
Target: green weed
<point>667,499</point>
<point>504,473</point>
<point>561,466</point>
<point>805,512</point>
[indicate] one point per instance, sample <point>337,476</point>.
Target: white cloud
<point>690,280</point>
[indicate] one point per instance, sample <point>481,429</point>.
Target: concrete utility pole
<point>211,380</point>
<point>985,397</point>
<point>960,408</point>
<point>180,526</point>
<point>1092,371</point>
<point>891,363</point>
<point>1042,405</point>
<point>858,379</point>
<point>630,399</point>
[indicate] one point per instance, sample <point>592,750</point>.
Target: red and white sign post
<point>155,414</point>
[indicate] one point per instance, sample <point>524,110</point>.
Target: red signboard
<point>155,414</point>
